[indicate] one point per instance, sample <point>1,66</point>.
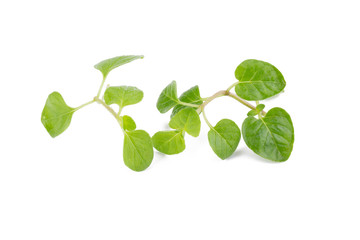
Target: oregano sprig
<point>138,149</point>
<point>269,134</point>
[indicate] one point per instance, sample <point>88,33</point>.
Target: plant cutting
<point>268,134</point>
<point>138,149</point>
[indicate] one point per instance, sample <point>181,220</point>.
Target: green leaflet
<point>168,98</point>
<point>252,113</point>
<point>271,137</point>
<point>190,96</point>
<point>56,115</point>
<point>187,119</point>
<point>258,80</point>
<point>260,107</point>
<point>109,64</point>
<point>224,138</point>
<point>138,150</point>
<point>123,95</point>
<point>169,142</point>
<point>127,123</point>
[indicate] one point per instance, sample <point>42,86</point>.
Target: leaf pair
<point>138,149</point>
<point>183,118</point>
<point>168,99</point>
<point>173,142</point>
<point>271,137</point>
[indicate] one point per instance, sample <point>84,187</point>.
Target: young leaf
<point>190,96</point>
<point>224,138</point>
<point>168,98</point>
<point>252,113</point>
<point>272,136</point>
<point>260,107</point>
<point>56,115</point>
<point>109,64</point>
<point>123,95</point>
<point>187,119</point>
<point>127,123</point>
<point>169,142</point>
<point>258,80</point>
<point>138,150</point>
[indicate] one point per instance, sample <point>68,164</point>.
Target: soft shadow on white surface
<point>246,153</point>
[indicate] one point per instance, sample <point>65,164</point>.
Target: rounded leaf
<point>56,115</point>
<point>168,98</point>
<point>187,119</point>
<point>169,142</point>
<point>138,150</point>
<point>271,137</point>
<point>224,138</point>
<point>190,96</point>
<point>127,123</point>
<point>123,95</point>
<point>258,80</point>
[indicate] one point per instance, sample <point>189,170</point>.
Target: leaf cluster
<point>270,135</point>
<point>138,149</point>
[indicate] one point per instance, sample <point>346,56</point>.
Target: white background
<point>76,185</point>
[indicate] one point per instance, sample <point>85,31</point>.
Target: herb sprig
<point>269,134</point>
<point>138,149</point>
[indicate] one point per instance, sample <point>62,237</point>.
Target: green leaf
<point>127,123</point>
<point>272,136</point>
<point>56,115</point>
<point>187,119</point>
<point>258,80</point>
<point>252,113</point>
<point>138,150</point>
<point>168,98</point>
<point>123,95</point>
<point>260,107</point>
<point>224,138</point>
<point>190,96</point>
<point>109,64</point>
<point>169,142</point>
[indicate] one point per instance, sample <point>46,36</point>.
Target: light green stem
<point>209,99</point>
<point>101,86</point>
<point>189,104</point>
<point>96,99</point>
<point>246,103</point>
<point>232,85</point>
<point>120,109</point>
<point>206,120</point>
<point>259,113</point>
<point>85,104</point>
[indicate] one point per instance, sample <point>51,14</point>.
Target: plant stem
<point>259,114</point>
<point>189,104</point>
<point>232,85</point>
<point>96,99</point>
<point>101,86</point>
<point>246,103</point>
<point>226,93</point>
<point>120,109</point>
<point>209,99</point>
<point>85,104</point>
<point>206,120</point>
